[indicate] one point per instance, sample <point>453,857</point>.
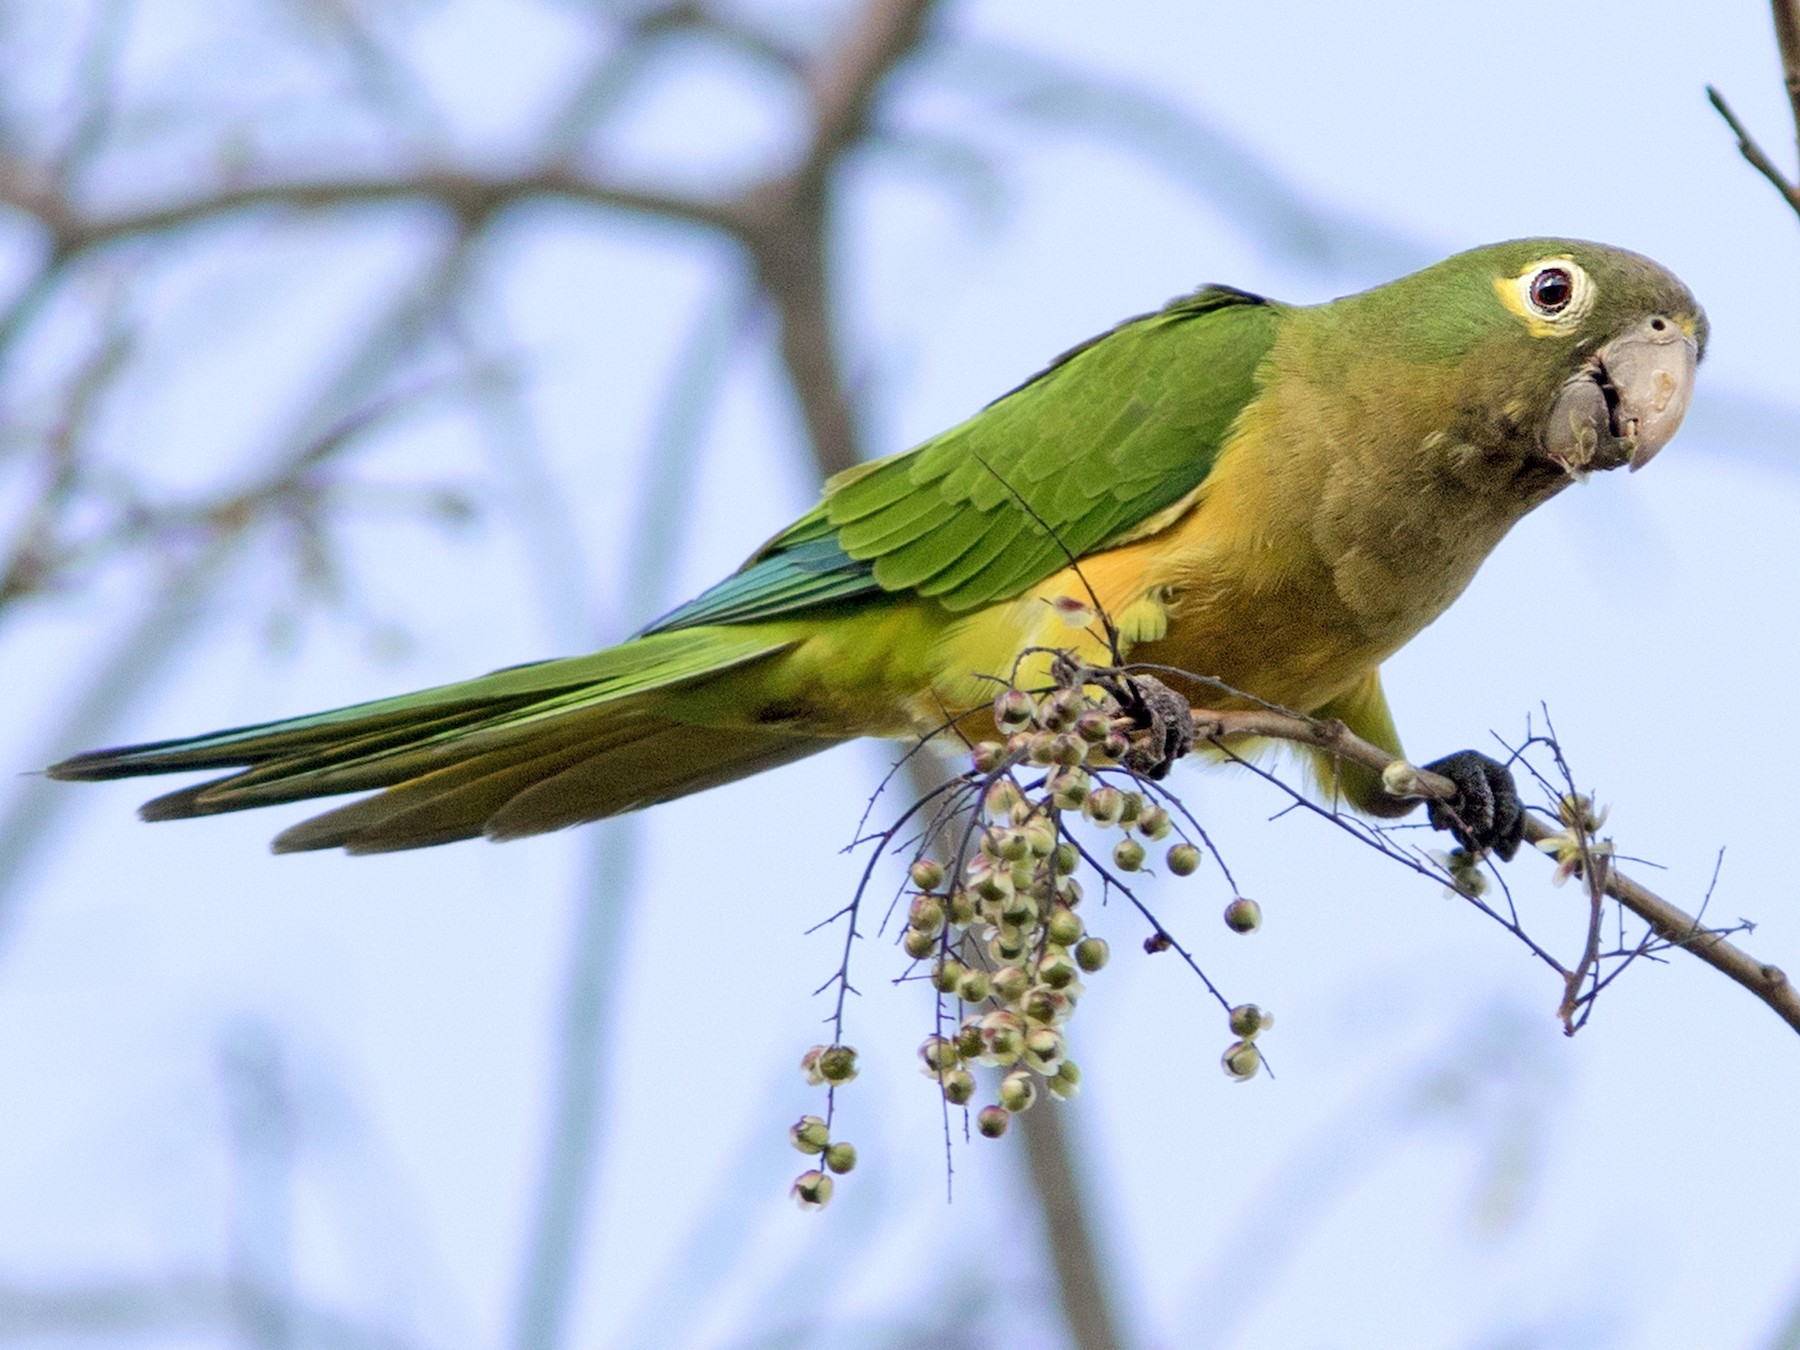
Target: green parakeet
<point>1276,496</point>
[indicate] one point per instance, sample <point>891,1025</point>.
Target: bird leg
<point>1486,812</point>
<point>1162,720</point>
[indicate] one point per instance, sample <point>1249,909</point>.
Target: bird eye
<point>1551,290</point>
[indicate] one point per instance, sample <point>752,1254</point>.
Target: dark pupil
<point>1550,290</point>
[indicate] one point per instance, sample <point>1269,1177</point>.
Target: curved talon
<point>1165,720</point>
<point>1486,812</point>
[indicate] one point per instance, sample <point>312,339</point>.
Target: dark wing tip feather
<point>95,766</point>
<point>182,805</point>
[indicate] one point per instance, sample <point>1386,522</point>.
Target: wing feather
<point>1108,441</point>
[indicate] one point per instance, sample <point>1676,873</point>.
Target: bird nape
<point>1277,497</point>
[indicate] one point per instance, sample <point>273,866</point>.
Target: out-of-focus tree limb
<point>575,1135</point>
<point>120,1310</point>
<point>1787,42</point>
<point>468,194</point>
<point>790,226</point>
<point>322,431</point>
<point>1087,1300</point>
<point>844,83</point>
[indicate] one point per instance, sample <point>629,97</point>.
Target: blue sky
<point>1435,1165</point>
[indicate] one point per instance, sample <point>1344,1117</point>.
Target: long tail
<point>521,751</point>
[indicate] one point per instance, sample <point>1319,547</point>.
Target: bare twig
<point>1754,153</point>
<point>1669,922</point>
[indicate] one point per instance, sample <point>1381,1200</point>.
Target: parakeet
<point>1275,496</point>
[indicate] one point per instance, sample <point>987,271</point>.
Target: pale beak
<point>1626,402</point>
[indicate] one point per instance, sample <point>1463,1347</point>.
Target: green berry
<point>1070,790</point>
<point>927,874</point>
<point>1066,1082</point>
<point>1057,969</point>
<point>1006,947</point>
<point>1243,916</point>
<point>987,757</point>
<point>1128,855</point>
<point>1241,1060</point>
<point>1247,1019</point>
<point>1009,983</point>
<point>1060,710</point>
<point>1019,910</point>
<point>1064,927</point>
<point>1104,805</point>
<point>1091,954</point>
<point>837,1064</point>
<point>1155,823</point>
<point>992,1121</point>
<point>1013,710</point>
<point>1184,860</point>
<point>973,987</point>
<point>812,1190</point>
<point>926,915</point>
<point>1002,795</point>
<point>959,1087</point>
<point>939,1054</point>
<point>1017,1091</point>
<point>947,974</point>
<point>1002,1042</point>
<point>1046,1006</point>
<point>809,1135</point>
<point>840,1157</point>
<point>1044,1051</point>
<point>1092,726</point>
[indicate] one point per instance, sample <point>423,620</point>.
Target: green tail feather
<point>518,752</point>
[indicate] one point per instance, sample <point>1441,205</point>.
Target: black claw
<point>1486,813</point>
<point>1166,720</point>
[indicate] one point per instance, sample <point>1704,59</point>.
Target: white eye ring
<point>1552,295</point>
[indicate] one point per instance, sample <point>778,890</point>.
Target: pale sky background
<point>1436,1166</point>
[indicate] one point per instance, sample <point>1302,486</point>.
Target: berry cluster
<point>1002,926</point>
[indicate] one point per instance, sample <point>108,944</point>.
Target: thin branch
<point>1670,923</point>
<point>1754,153</point>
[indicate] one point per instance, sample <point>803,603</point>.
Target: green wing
<point>1114,431</point>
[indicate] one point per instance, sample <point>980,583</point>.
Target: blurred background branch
<point>145,145</point>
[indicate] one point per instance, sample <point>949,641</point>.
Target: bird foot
<point>1486,813</point>
<point>1164,724</point>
